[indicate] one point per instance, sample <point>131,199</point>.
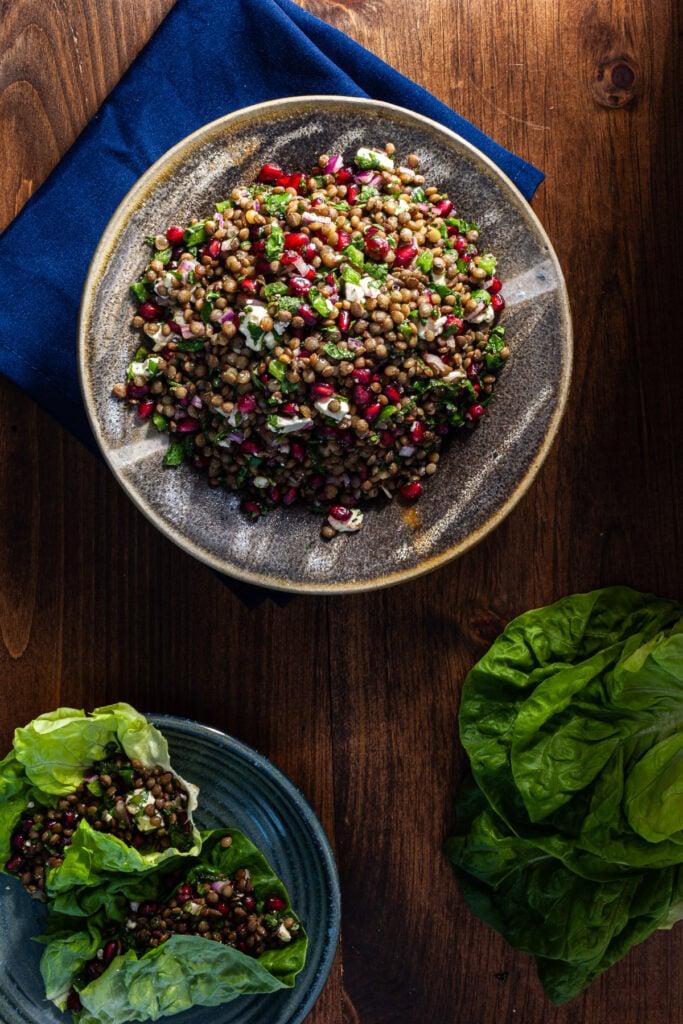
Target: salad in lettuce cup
<point>88,798</point>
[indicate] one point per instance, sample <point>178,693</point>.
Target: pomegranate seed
<point>248,285</point>
<point>110,951</point>
<point>309,251</point>
<point>405,254</point>
<point>476,388</point>
<point>274,495</point>
<point>330,280</point>
<point>289,409</point>
<point>262,266</point>
<point>361,394</point>
<point>73,1002</point>
<point>223,908</point>
<point>27,825</point>
<point>295,239</point>
<point>498,303</point>
<point>392,393</point>
<point>443,207</point>
<point>307,315</point>
<point>146,408</point>
<point>362,376</point>
<point>18,843</point>
<point>249,447</point>
<point>13,864</point>
<point>297,451</point>
<point>212,249</point>
<point>147,909</point>
<point>296,181</point>
<point>175,328</point>
<point>343,320</point>
<point>270,173</point>
<point>417,431</point>
<point>246,403</point>
<point>188,426</point>
<point>289,497</point>
<point>340,513</point>
<point>275,903</point>
<point>377,246</point>
<point>352,194</point>
<point>461,244</point>
<point>343,239</point>
<point>316,481</point>
<point>310,274</point>
<point>249,904</point>
<point>149,311</point>
<point>387,438</point>
<point>322,390</point>
<point>345,438</point>
<point>412,491</point>
<point>372,411</point>
<point>289,257</point>
<point>475,411</point>
<point>69,819</point>
<point>343,175</point>
<point>495,286</point>
<point>472,372</point>
<point>175,235</point>
<point>299,285</point>
<point>284,180</point>
<point>136,390</point>
<point>253,509</point>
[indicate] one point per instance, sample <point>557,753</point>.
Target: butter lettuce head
<point>48,760</point>
<point>183,972</point>
<point>570,841</point>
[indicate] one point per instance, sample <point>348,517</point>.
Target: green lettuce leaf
<point>570,840</point>
<point>183,972</point>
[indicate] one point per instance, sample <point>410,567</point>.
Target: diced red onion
<point>406,450</point>
<point>220,219</point>
<point>236,436</point>
<point>217,886</point>
<point>438,364</point>
<point>476,311</point>
<point>364,177</point>
<point>196,402</point>
<point>333,164</point>
<point>186,331</point>
<point>257,205</point>
<point>375,179</point>
<point>228,315</point>
<point>301,266</point>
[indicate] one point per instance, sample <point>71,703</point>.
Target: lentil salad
<point>319,337</point>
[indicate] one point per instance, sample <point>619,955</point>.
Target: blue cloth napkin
<point>207,58</point>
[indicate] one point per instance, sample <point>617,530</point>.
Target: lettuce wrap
<point>51,758</point>
<point>186,969</point>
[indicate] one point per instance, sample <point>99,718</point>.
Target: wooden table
<point>356,698</point>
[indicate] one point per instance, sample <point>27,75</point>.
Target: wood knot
<point>616,82</point>
<point>483,626</point>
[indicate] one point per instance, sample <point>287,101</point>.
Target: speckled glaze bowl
<point>484,472</point>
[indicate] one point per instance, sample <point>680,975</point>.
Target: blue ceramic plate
<point>241,788</point>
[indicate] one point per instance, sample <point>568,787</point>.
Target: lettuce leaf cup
<point>87,798</point>
<point>197,932</point>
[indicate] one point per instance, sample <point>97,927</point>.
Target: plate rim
<point>99,262</point>
<point>332,944</point>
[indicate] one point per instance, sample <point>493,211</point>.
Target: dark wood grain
<point>357,698</point>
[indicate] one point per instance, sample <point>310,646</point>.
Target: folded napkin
<point>208,57</point>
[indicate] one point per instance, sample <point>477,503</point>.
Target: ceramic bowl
<point>483,473</point>
<point>238,787</point>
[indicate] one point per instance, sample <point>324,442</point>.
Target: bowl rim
<point>100,260</point>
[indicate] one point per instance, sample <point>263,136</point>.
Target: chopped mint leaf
<point>487,262</point>
<point>277,202</point>
<point>163,255</point>
<point>336,351</point>
<point>350,275</point>
<point>480,295</point>
<point>462,225</point>
<point>386,413</point>
<point>195,235</point>
<point>424,261</point>
<point>319,303</point>
<point>274,289</point>
<point>419,195</point>
<point>159,421</point>
<point>289,303</point>
<point>377,270</point>
<point>224,205</point>
<point>277,369</point>
<point>206,311</point>
<point>190,344</point>
<point>140,290</point>
<point>178,450</point>
<point>354,255</point>
<point>275,243</point>
<point>367,192</point>
<point>495,343</point>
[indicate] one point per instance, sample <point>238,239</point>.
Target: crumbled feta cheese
<point>353,292</point>
<point>351,525</point>
<point>436,326</point>
<point>251,316</point>
<point>455,375</point>
<point>366,288</point>
<point>289,425</point>
<point>261,481</point>
<point>147,368</point>
<point>166,282</point>
<point>484,317</point>
<point>323,406</point>
<point>158,338</point>
<point>366,157</point>
<point>283,934</point>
